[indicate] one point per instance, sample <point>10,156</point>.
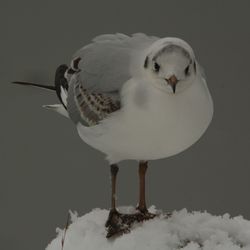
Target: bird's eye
<point>187,70</point>
<point>156,67</point>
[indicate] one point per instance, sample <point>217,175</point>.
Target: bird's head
<point>170,64</point>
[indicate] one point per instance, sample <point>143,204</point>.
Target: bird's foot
<point>144,214</point>
<point>118,223</point>
<point>115,224</point>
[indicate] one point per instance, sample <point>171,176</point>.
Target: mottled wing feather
<point>89,108</point>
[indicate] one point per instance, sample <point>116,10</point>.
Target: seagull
<point>137,98</point>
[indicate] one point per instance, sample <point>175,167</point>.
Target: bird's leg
<point>118,223</point>
<point>114,170</point>
<point>114,223</point>
<point>142,207</point>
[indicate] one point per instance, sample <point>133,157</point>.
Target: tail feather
<point>59,108</point>
<point>60,87</point>
<point>61,84</point>
<point>36,85</point>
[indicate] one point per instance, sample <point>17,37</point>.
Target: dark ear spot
<point>146,62</point>
<point>194,66</point>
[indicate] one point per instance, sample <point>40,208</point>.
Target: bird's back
<point>97,74</point>
<point>106,63</point>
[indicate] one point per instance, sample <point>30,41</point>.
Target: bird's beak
<point>172,81</point>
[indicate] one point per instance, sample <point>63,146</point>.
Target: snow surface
<point>183,230</point>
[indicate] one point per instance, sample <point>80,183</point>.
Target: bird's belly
<point>159,129</point>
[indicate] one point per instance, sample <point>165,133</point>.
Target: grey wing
<point>105,63</point>
<point>97,74</point>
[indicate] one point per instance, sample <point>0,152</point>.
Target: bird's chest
<point>155,124</point>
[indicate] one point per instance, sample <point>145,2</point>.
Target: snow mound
<point>183,230</point>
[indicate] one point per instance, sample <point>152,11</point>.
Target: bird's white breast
<point>152,124</point>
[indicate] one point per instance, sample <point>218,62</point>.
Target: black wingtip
<point>22,83</point>
<point>35,85</point>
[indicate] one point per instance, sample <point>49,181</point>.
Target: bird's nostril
<point>172,80</point>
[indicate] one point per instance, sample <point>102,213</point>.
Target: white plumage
<point>152,122</point>
<point>155,126</point>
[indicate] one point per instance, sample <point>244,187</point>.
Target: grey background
<point>46,169</point>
